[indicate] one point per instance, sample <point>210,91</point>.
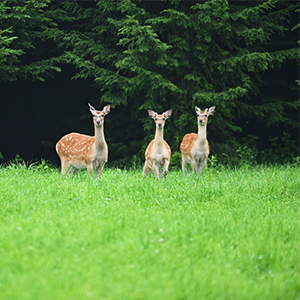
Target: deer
<point>158,152</point>
<point>79,151</point>
<point>194,147</point>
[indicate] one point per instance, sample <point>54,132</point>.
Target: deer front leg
<point>73,171</point>
<point>100,169</point>
<point>166,167</point>
<point>155,168</point>
<point>89,168</point>
<point>65,165</point>
<point>184,165</point>
<point>194,166</point>
<point>202,165</point>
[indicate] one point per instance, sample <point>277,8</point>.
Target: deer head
<point>160,119</point>
<point>202,116</point>
<point>98,115</point>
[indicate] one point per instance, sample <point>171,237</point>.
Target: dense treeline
<point>241,56</point>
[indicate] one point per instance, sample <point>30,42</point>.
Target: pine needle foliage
<point>240,56</point>
<point>183,53</point>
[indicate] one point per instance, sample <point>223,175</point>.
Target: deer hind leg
<point>146,169</point>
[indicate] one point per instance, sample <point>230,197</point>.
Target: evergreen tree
<point>180,54</point>
<point>24,32</point>
<point>240,56</point>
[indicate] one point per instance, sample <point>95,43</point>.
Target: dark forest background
<point>241,56</point>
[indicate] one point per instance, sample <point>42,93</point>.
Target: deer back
<point>76,147</point>
<point>190,145</point>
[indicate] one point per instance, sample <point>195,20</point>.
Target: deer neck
<point>99,136</point>
<point>159,137</point>
<point>201,134</point>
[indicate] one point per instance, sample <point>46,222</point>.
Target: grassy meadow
<point>229,234</point>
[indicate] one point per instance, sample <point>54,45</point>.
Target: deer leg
<point>184,165</point>
<point>146,169</point>
<point>89,168</point>
<point>99,170</point>
<point>65,165</point>
<point>194,166</point>
<point>155,169</point>
<point>166,167</point>
<point>202,166</point>
<point>73,171</point>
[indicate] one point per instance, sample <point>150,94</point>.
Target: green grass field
<point>230,234</point>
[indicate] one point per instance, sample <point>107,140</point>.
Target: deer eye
<point>205,116</point>
<point>164,119</point>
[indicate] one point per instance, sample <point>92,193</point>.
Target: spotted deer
<point>158,152</point>
<point>194,147</point>
<point>79,151</point>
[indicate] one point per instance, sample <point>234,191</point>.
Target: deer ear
<point>106,109</point>
<point>197,109</point>
<point>211,110</point>
<point>167,114</point>
<point>92,109</point>
<point>152,114</point>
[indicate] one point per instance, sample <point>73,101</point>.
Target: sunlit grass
<point>230,234</point>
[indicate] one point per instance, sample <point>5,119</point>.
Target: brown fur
<point>78,151</point>
<point>194,147</point>
<point>158,152</point>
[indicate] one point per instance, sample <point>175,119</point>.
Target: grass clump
<point>228,234</point>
